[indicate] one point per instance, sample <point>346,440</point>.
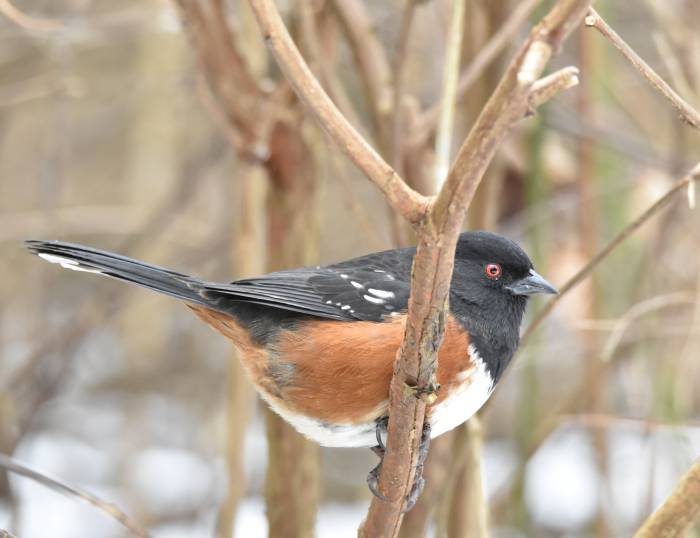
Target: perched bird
<point>319,343</point>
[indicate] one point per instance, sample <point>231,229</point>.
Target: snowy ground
<point>562,485</point>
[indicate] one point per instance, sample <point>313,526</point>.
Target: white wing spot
<point>345,307</point>
<point>382,294</point>
<point>356,284</point>
<point>379,271</point>
<point>67,263</point>
<point>343,275</point>
<point>329,302</point>
<point>373,299</point>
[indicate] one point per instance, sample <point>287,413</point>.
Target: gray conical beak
<point>532,284</point>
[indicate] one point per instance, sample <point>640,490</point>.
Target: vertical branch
<point>398,72</point>
<point>249,260</point>
<point>399,119</point>
<point>468,511</point>
<point>370,57</point>
<point>272,146</point>
<point>436,474</point>
<point>450,76</point>
<point>292,241</point>
<point>596,370</point>
<point>486,55</point>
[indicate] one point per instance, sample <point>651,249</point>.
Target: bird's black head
<point>492,280</point>
<point>491,263</point>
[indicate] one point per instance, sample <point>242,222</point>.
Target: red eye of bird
<point>493,271</point>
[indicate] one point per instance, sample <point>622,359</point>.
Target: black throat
<point>493,323</point>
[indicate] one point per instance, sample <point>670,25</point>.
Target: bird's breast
<point>330,379</point>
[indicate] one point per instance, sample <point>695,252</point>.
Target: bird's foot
<point>418,480</point>
<point>379,450</point>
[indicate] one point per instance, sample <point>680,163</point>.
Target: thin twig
<point>443,139</point>
<point>325,70</point>
<point>108,508</point>
<point>371,59</point>
<point>586,270</point>
<point>487,54</point>
<point>400,118</point>
<point>398,71</point>
<point>635,312</point>
<point>679,512</point>
<point>514,90</point>
<point>687,112</point>
<point>547,87</point>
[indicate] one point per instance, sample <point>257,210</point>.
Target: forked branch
<point>436,221</point>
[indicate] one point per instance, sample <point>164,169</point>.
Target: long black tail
<point>81,258</point>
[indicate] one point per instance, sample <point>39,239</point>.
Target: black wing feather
<point>367,288</point>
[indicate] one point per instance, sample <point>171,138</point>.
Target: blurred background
<point>162,130</point>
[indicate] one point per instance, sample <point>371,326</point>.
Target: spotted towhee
<point>319,343</point>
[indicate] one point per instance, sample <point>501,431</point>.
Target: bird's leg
<point>373,476</point>
<point>380,450</point>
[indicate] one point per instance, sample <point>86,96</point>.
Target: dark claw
<point>424,444</point>
<point>382,425</point>
<point>418,481</point>
<point>373,481</point>
<point>379,450</point>
<point>416,490</point>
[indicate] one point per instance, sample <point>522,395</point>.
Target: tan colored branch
<point>679,512</point>
<point>468,514</point>
<point>108,508</point>
<point>323,67</point>
<point>508,104</point>
<point>402,198</point>
<point>687,112</point>
<point>398,71</point>
<point>443,138</point>
<point>228,77</point>
<point>371,60</point>
<point>433,263</point>
<point>586,270</point>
